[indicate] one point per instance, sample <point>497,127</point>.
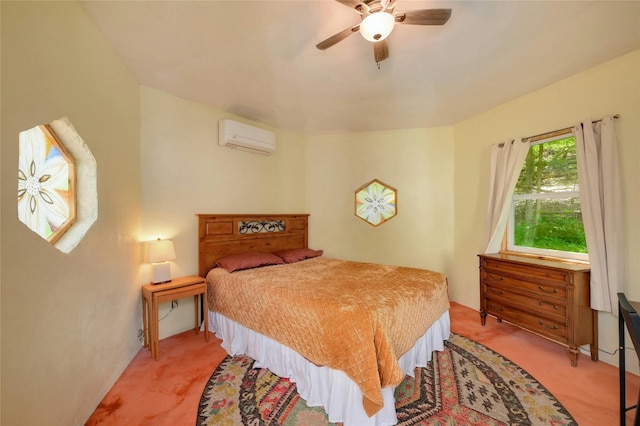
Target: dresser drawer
<point>555,309</point>
<point>543,289</point>
<point>556,330</point>
<point>525,272</point>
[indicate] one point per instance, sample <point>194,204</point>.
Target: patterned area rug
<point>466,384</point>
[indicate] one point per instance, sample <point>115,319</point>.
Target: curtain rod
<point>557,132</point>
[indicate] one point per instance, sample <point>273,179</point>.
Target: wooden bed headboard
<point>224,234</point>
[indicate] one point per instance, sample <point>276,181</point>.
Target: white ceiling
<point>258,59</point>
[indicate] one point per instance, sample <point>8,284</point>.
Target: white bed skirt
<point>324,386</point>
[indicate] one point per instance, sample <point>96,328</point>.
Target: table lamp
<point>160,252</point>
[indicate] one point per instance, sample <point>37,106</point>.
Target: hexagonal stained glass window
<point>376,202</point>
<point>46,183</point>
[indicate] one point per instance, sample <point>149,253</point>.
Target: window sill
<point>549,258</point>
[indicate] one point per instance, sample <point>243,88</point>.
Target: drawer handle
<point>496,277</point>
<point>497,308</point>
<point>556,307</point>
<point>555,290</point>
<point>555,327</point>
<point>494,291</point>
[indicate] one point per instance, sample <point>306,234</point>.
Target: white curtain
<point>601,199</point>
<point>507,159</point>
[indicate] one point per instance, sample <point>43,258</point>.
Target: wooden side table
<point>179,288</point>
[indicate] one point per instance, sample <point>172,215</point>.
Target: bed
<point>345,332</point>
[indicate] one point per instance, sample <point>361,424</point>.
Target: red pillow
<point>236,262</point>
<point>296,255</point>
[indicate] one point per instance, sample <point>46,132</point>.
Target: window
<point>57,191</point>
<point>546,218</point>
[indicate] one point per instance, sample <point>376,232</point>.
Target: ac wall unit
<point>247,138</point>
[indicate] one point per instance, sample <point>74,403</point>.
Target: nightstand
<point>154,294</point>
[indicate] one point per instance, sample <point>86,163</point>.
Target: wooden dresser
<point>546,297</point>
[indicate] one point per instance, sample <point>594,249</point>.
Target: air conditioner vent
<point>242,136</point>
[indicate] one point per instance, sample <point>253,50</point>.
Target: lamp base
<point>161,272</point>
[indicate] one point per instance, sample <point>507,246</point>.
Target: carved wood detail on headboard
<point>224,234</point>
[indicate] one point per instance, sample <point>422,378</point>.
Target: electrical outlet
<point>141,335</point>
<point>174,304</point>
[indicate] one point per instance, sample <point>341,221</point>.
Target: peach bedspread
<point>350,316</point>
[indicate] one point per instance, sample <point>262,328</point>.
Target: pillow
<point>296,255</point>
<point>236,262</point>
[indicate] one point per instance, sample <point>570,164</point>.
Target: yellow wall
<point>185,171</point>
<point>417,162</point>
<point>69,321</point>
<point>612,88</point>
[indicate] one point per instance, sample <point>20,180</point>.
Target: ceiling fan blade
<point>391,4</point>
<point>336,38</point>
<point>357,5</point>
<point>380,50</point>
<point>423,17</point>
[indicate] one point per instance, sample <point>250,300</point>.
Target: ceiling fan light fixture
<point>377,26</point>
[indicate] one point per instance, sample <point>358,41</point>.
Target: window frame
<point>509,244</point>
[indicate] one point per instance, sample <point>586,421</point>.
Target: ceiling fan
<point>378,19</point>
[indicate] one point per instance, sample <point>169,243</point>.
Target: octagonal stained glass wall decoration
<point>376,202</point>
<point>46,183</point>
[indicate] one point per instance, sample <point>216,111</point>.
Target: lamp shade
<point>377,26</point>
<point>161,251</point>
